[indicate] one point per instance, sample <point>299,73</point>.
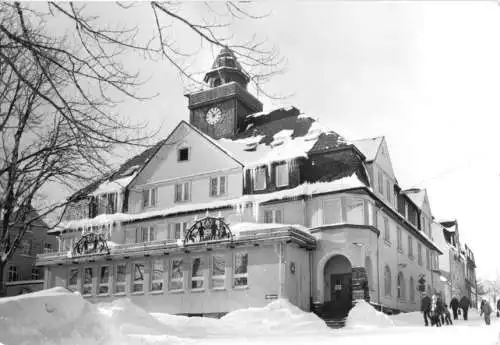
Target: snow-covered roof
<point>417,196</point>
<point>281,134</point>
<point>113,186</point>
<point>368,147</point>
<point>304,189</point>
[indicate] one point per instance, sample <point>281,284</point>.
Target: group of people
<point>436,312</point>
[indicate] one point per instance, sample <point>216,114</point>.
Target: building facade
<point>238,206</point>
<point>21,275</point>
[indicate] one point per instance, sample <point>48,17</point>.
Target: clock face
<point>213,115</point>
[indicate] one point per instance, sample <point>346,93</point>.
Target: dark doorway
<point>338,287</point>
<point>341,292</point>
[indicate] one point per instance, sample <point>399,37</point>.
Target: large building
<point>239,206</point>
<point>457,267</point>
<point>21,275</point>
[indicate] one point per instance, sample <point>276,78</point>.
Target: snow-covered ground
<point>56,316</point>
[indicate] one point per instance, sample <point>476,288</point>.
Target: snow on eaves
<point>304,189</point>
<point>113,186</point>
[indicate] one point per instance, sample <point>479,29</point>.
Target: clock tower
<point>220,111</point>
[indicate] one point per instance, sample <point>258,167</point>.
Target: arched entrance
<point>338,285</point>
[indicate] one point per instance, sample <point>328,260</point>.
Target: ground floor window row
<point>178,274</point>
<point>403,292</point>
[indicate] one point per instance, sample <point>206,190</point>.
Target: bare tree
<point>58,90</point>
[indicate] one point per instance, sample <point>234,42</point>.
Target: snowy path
<point>472,332</point>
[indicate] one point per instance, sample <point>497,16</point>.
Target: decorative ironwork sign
<point>91,243</point>
<point>208,229</point>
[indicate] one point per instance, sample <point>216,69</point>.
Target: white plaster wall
<point>263,279</point>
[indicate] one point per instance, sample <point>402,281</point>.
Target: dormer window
<point>183,154</point>
<point>260,178</point>
<point>281,174</point>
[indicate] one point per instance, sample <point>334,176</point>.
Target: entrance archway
<point>338,285</point>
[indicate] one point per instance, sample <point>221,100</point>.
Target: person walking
<point>447,315</point>
<point>425,308</point>
<point>464,304</point>
<point>454,304</point>
<point>486,311</point>
<point>498,308</point>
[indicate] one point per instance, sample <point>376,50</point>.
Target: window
<point>240,269</point>
<point>25,247</point>
<point>176,281</point>
<point>410,246</point>
<point>355,211</point>
<point>401,286</point>
<point>273,216</point>
<point>149,197</point>
<point>281,175</point>
<point>197,273</point>
<point>371,214</point>
<point>333,211</point>
<point>12,274</point>
<point>369,273</point>
<point>73,279</point>
<point>183,154</point>
<point>47,247</point>
<point>157,276</point>
<point>146,234</point>
<point>218,271</point>
<point>260,178</point>
<point>182,192</point>
<point>35,273</point>
<point>104,280</point>
<point>88,274</point>
<point>387,230</point>
<point>120,278</point>
<point>388,190</point>
<point>218,186</point>
<point>419,248</point>
<point>138,282</point>
<point>424,223</point>
<point>176,231</point>
<point>387,281</point>
<point>400,239</point>
<point>412,290</point>
<point>106,203</point>
<point>381,182</point>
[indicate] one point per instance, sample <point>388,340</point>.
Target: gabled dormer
<point>188,168</point>
<point>379,167</point>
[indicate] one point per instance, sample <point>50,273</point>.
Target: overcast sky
<point>424,75</point>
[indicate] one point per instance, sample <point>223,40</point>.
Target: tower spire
<point>226,69</point>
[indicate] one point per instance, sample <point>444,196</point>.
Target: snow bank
<point>279,316</point>
<point>364,316</point>
<point>54,316</point>
<point>128,318</point>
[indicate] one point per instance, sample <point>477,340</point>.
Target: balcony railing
<point>144,247</point>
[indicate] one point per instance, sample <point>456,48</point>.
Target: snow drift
<point>364,316</point>
<point>54,316</point>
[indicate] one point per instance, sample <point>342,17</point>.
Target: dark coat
<point>454,304</point>
<point>464,303</point>
<point>486,308</point>
<point>425,305</point>
<point>498,304</point>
